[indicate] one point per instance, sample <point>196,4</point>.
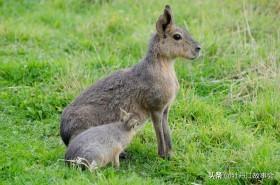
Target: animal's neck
<point>165,64</point>
<point>155,58</point>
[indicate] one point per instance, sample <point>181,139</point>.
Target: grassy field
<point>226,117</point>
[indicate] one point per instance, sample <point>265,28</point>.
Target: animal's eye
<point>177,36</point>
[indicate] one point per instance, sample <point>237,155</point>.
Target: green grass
<point>226,117</point>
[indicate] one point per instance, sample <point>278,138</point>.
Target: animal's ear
<point>165,21</point>
<point>132,123</point>
<point>124,115</point>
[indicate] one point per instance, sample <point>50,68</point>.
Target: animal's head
<point>174,41</point>
<point>129,121</point>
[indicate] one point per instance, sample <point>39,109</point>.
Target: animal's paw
<point>169,154</point>
<point>165,155</point>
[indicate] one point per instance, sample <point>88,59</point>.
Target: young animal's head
<point>173,41</point>
<point>129,121</point>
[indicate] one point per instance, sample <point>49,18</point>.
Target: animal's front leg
<point>157,122</point>
<point>166,132</point>
<point>117,151</point>
<point>117,161</point>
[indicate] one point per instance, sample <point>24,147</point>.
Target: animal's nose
<point>197,49</point>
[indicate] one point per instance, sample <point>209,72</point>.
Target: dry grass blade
<point>246,84</point>
<point>79,161</point>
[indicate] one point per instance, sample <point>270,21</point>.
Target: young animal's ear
<point>132,123</point>
<point>124,115</point>
<point>165,21</point>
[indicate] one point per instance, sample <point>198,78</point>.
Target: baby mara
<point>98,146</point>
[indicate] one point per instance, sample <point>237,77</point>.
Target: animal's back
<point>101,103</point>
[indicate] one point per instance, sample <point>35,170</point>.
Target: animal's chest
<point>163,92</point>
<point>168,89</point>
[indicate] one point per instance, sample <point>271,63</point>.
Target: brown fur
<point>146,89</point>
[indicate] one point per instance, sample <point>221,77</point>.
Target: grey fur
<point>146,89</point>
